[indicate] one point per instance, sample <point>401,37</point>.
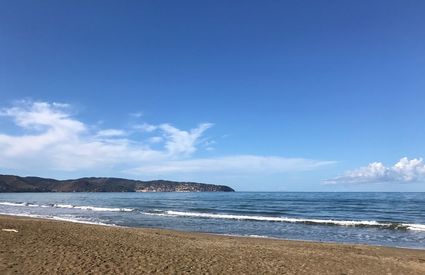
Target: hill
<point>10,183</point>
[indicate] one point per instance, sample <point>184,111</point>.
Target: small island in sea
<point>10,183</point>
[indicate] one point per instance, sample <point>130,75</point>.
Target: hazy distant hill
<point>9,183</point>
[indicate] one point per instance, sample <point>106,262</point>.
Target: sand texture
<point>54,247</point>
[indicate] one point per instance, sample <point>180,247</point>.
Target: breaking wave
<point>69,206</point>
<point>203,215</point>
<point>353,223</point>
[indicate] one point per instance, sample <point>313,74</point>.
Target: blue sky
<point>258,95</point>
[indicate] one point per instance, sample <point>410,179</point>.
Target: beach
<point>55,247</point>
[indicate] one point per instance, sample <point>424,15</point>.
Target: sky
<point>258,95</point>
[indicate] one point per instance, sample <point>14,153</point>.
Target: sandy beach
<point>35,246</point>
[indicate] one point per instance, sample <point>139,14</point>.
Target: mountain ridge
<point>12,183</point>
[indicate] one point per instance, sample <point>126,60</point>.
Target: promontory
<point>10,183</point>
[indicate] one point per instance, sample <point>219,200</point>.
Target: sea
<point>384,219</point>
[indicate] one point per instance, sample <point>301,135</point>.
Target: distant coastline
<point>12,183</point>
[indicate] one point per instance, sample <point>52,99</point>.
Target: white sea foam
<point>80,221</point>
<point>354,223</point>
<point>275,219</point>
<point>13,203</point>
<point>58,218</point>
<point>63,206</point>
<point>19,204</point>
<point>69,206</point>
<point>258,236</point>
<point>94,208</point>
<point>414,227</point>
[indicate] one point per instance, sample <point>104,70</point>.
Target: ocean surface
<point>388,219</point>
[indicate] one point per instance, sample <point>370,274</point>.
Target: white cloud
<point>55,139</point>
<point>403,171</point>
<point>50,138</point>
<point>182,142</point>
<point>145,127</point>
<point>49,120</point>
<point>233,164</point>
<point>111,133</point>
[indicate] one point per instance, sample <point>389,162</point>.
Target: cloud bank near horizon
<point>48,136</point>
<point>404,171</point>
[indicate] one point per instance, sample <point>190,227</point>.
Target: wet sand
<point>55,247</point>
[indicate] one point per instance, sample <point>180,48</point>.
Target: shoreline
<point>51,246</point>
<point>200,232</point>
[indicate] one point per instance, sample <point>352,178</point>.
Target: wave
<point>13,203</point>
<point>69,206</point>
<point>94,208</point>
<point>415,226</point>
<point>353,223</point>
<point>173,213</point>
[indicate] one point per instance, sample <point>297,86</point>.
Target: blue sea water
<point>389,219</point>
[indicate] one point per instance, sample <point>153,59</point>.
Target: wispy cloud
<point>145,127</point>
<point>111,133</point>
<point>52,139</point>
<point>404,171</point>
<point>182,142</point>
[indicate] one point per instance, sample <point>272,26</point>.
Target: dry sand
<point>54,247</point>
